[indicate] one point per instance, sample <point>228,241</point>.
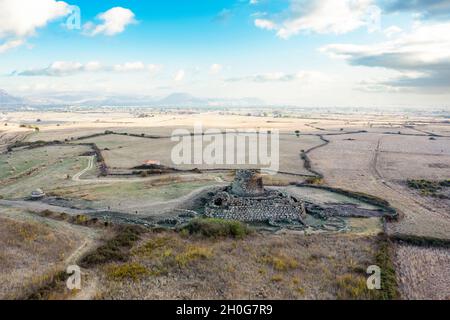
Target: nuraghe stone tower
<point>247,200</point>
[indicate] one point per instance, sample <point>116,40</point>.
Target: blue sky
<point>299,52</point>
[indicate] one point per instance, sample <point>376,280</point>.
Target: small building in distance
<point>152,163</point>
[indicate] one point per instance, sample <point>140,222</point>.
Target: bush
<point>281,262</point>
<point>144,174</point>
<point>428,188</point>
<point>132,271</point>
<point>389,290</point>
<point>115,249</point>
<point>352,287</point>
<point>193,253</point>
<point>215,228</point>
<point>314,181</point>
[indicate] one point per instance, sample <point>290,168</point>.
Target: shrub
<point>115,249</point>
<point>280,262</point>
<point>277,278</point>
<point>193,253</point>
<point>47,285</point>
<point>132,271</point>
<point>81,219</point>
<point>389,289</point>
<point>314,180</point>
<point>428,188</point>
<point>215,228</point>
<point>352,287</point>
<point>144,174</point>
<point>47,213</point>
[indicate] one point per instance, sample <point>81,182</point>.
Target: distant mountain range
<point>91,100</point>
<point>7,100</point>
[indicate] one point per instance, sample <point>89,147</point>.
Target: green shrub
<point>215,228</point>
<point>115,249</point>
<point>428,188</point>
<point>132,271</point>
<point>193,253</point>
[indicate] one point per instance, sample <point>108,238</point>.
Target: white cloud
<point>93,66</point>
<point>302,76</point>
<point>130,66</point>
<point>20,19</point>
<point>215,68</point>
<point>10,44</point>
<point>69,68</point>
<point>324,16</point>
<point>179,76</point>
<point>115,20</point>
<point>391,31</point>
<point>265,24</point>
<point>421,57</point>
<point>253,2</point>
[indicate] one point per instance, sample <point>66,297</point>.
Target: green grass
<point>421,240</point>
<point>53,164</point>
<point>389,285</point>
<point>20,162</point>
<point>216,228</point>
<point>353,285</point>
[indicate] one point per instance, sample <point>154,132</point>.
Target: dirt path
<point>89,167</point>
<point>39,206</point>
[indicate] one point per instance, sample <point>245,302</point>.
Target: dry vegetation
<point>191,264</point>
<point>33,250</point>
<point>423,272</point>
<point>171,265</point>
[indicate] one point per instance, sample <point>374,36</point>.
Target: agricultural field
<point>26,170</point>
<point>121,151</point>
<point>368,164</point>
<point>397,159</point>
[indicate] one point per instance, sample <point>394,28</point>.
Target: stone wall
<point>257,213</point>
<point>247,200</point>
<point>247,183</point>
<point>273,206</point>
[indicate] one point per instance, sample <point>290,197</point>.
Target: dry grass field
<point>127,152</point>
<point>361,164</point>
<point>33,249</point>
<point>392,149</point>
<point>423,272</point>
<point>263,266</point>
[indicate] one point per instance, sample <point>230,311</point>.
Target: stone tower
<point>247,183</point>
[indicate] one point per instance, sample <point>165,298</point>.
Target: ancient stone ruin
<point>247,200</point>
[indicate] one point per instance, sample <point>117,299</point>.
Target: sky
<point>371,53</point>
